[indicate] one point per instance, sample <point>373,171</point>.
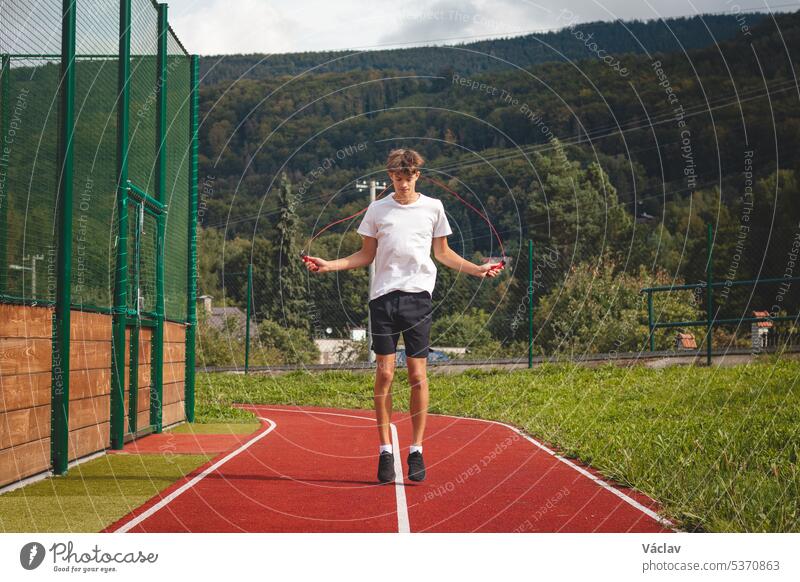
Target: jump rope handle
<point>304,256</point>
<point>500,265</point>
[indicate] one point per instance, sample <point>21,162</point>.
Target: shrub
<point>352,351</point>
<point>216,347</point>
<point>292,346</point>
<point>601,310</point>
<point>462,329</point>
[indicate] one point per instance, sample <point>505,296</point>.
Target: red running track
<point>314,470</point>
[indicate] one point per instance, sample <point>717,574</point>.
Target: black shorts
<point>403,312</point>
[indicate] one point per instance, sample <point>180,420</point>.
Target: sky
<point>211,27</point>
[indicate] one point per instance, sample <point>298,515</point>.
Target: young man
<point>398,231</point>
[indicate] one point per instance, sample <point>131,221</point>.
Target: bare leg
<point>384,375</point>
<point>418,380</point>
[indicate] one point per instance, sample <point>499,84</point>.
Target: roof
<point>220,315</point>
<point>762,323</point>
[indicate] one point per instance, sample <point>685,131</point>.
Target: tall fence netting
<point>177,179</point>
<point>31,124</point>
<point>30,48</point>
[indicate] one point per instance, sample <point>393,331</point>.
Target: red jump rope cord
<point>478,212</point>
<point>362,211</point>
<point>304,255</point>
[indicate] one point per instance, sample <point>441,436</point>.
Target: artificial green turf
<point>94,494</point>
<point>215,428</point>
<point>718,447</point>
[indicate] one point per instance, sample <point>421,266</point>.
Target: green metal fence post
<point>530,303</point>
<point>709,293</point>
<point>5,87</point>
<point>247,323</point>
<point>650,321</point>
<point>157,391</point>
<point>191,331</point>
<point>120,309</point>
<point>59,441</point>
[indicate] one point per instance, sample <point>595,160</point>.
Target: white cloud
<point>245,26</point>
<point>277,26</point>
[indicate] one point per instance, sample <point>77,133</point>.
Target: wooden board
<point>143,419</point>
<point>90,326</point>
<point>23,426</point>
<point>173,392</point>
<point>175,352</point>
<point>145,351</point>
<point>90,439</point>
<point>89,411</point>
<point>145,372</point>
<point>89,383</point>
<point>24,391</point>
<point>174,372</point>
<point>24,461</point>
<point>24,321</point>
<point>24,356</point>
<point>174,332</point>
<point>173,413</point>
<point>143,402</point>
<point>89,355</point>
<point>127,408</point>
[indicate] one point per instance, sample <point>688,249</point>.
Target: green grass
<point>92,495</point>
<point>717,447</point>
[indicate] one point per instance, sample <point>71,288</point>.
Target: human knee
<point>385,373</point>
<point>417,381</point>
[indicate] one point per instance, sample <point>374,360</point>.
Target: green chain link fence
<point>98,129</point>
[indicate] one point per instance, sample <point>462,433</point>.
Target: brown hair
<point>404,162</point>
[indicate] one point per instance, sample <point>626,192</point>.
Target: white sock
<point>415,448</point>
<point>387,448</point>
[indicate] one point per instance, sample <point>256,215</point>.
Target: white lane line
<point>631,501</point>
<point>646,510</point>
<point>186,486</point>
<point>403,525</point>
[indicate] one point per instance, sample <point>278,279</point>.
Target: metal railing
<point>712,318</point>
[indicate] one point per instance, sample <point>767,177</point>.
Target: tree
<point>601,310</point>
<point>463,329</point>
<point>293,345</point>
<point>576,210</point>
<point>289,304</point>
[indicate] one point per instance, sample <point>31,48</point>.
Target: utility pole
<point>32,259</point>
<point>373,187</point>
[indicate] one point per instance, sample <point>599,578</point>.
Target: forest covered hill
<point>569,43</point>
<point>593,164</point>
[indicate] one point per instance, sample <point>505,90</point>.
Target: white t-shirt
<point>405,233</point>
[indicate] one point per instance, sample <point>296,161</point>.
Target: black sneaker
<point>386,467</point>
<point>416,466</point>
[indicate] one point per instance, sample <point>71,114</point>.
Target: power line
<point>595,135</point>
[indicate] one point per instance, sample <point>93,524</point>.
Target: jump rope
<point>304,255</point>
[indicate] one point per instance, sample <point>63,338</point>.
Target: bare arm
<point>361,258</point>
<point>449,258</point>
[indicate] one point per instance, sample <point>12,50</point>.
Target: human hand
<point>490,269</point>
<point>316,265</point>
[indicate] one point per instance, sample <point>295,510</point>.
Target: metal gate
<point>142,322</point>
